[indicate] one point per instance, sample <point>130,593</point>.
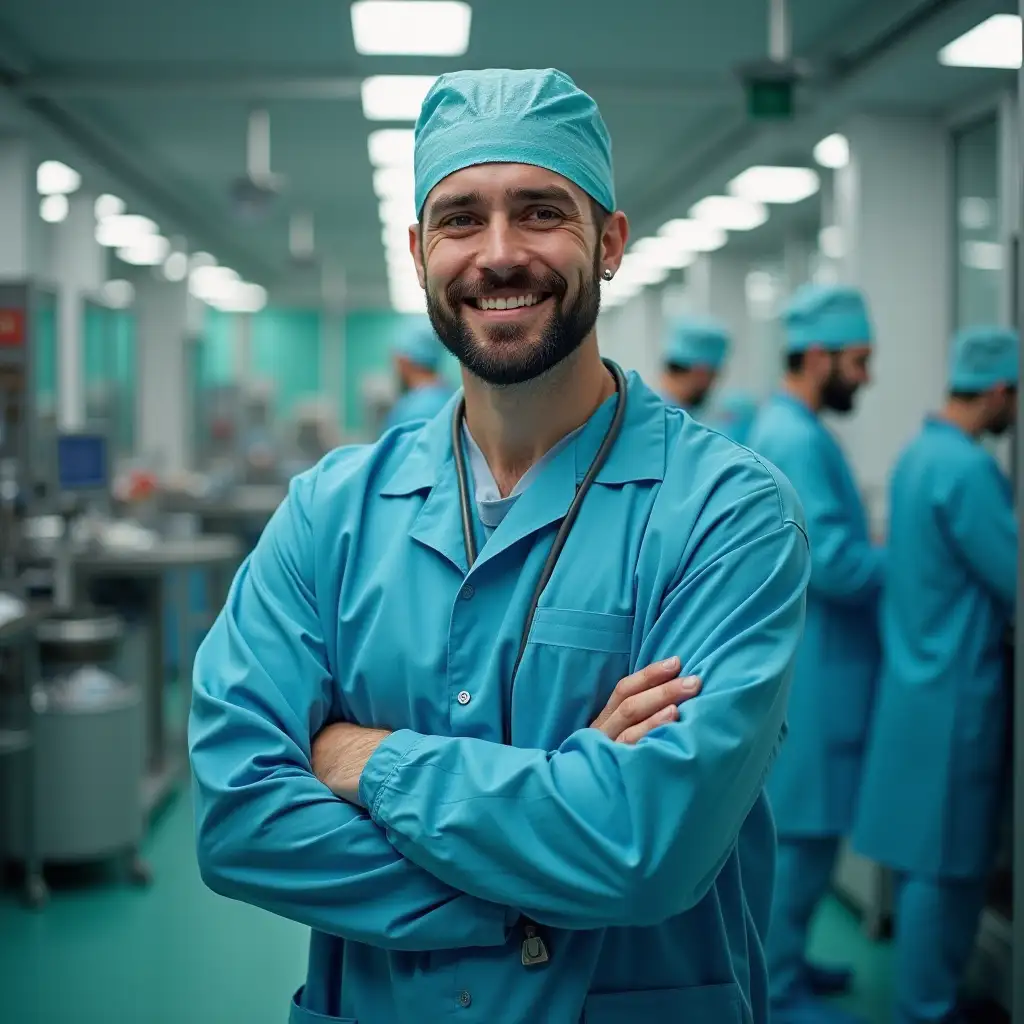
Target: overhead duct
<point>255,192</point>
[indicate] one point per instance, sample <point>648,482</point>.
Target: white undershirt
<point>491,507</point>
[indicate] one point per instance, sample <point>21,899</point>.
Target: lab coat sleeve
<point>599,834</point>
<point>845,567</point>
<point>980,520</point>
<point>268,832</point>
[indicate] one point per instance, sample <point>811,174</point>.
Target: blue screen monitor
<point>82,462</point>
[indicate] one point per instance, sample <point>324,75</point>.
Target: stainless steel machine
<point>87,762</point>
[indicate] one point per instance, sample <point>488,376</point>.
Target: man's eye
<point>459,220</point>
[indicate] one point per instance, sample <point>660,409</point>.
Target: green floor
<point>177,954</point>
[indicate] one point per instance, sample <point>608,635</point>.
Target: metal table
<point>243,511</point>
<point>17,739</point>
<point>162,572</point>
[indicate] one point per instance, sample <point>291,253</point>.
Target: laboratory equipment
<point>89,731</point>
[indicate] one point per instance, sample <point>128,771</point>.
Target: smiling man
<point>491,705</point>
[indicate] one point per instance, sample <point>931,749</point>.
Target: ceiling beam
<point>189,80</point>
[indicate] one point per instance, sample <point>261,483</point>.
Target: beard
<point>837,394</point>
<point>509,355</point>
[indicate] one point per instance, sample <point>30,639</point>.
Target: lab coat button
<point>465,998</point>
<point>467,592</point>
<point>463,697</point>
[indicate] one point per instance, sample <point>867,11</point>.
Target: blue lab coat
<point>418,404</point>
<point>813,788</point>
<point>648,866</point>
<point>939,745</point>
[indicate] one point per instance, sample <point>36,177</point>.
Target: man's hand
<point>643,701</point>
<point>340,753</point>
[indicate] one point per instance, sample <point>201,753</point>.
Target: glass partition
<point>979,248</point>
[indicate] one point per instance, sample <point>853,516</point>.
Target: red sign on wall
<point>12,327</point>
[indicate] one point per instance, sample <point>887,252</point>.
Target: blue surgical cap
<point>419,344</point>
<point>982,357</point>
<point>697,341</point>
<point>519,117</point>
<point>831,316</point>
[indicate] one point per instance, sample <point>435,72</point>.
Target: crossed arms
<point>463,835</point>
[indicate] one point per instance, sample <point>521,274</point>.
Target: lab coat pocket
<point>300,1015</point>
<point>572,662</point>
<point>706,1004</point>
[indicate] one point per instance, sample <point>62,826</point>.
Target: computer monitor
<point>82,463</point>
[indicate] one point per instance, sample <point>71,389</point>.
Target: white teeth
<point>512,303</point>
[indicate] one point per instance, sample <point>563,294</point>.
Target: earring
<point>608,273</point>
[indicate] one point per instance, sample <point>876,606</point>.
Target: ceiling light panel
<point>56,179</point>
<point>730,213</point>
<point>394,97</point>
<point>54,209</point>
<point>775,184</point>
<point>833,151</point>
<point>995,43</point>
<point>435,28</point>
<point>693,235</point>
<point>391,147</point>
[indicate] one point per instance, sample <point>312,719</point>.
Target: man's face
<point>1004,411</point>
<point>511,261</point>
<point>848,372</point>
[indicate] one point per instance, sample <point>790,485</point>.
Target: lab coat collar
<point>638,455</point>
<point>643,458</point>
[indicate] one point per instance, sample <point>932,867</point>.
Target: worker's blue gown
<point>939,752</point>
<point>813,788</point>
<point>418,404</point>
<point>648,866</point>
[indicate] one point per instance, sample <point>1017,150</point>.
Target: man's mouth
<point>507,302</point>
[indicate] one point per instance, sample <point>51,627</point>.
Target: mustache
<point>517,278</point>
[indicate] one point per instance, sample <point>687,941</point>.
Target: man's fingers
<point>637,732</point>
<point>652,675</point>
<point>640,706</point>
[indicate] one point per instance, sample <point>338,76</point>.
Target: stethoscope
<point>466,508</point>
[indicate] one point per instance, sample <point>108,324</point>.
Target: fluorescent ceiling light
<point>53,209</point>
<point>208,282</point>
<point>395,236</point>
<point>395,97</point>
<point>107,205</point>
<point>149,251</point>
<point>639,271</point>
<point>118,294</point>
<point>693,235</point>
<point>176,266</point>
<point>54,178</point>
<point>394,182</point>
<point>775,184</point>
<point>435,28</point>
<point>391,147</point>
<point>124,230</point>
<point>240,297</point>
<point>995,43</point>
<point>730,213</point>
<point>663,252</point>
<point>395,213</point>
<point>833,151</point>
<point>201,259</point>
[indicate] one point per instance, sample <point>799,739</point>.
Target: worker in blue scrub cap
<point>695,349</point>
<point>733,414</point>
<point>490,706</point>
<point>934,776</point>
<point>813,786</point>
<point>424,392</point>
